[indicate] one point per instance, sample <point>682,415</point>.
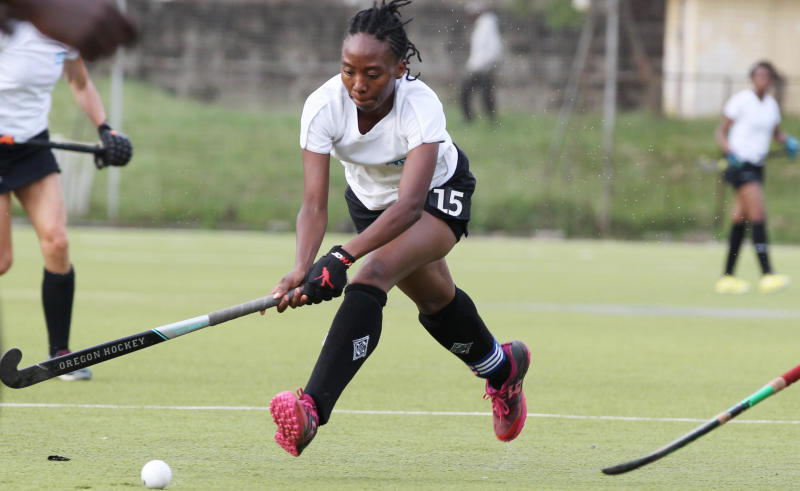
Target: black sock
<point>460,329</point>
<point>762,246</point>
<point>58,291</point>
<point>352,338</point>
<point>734,244</point>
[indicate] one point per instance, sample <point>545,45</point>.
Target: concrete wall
<point>710,45</point>
<point>262,53</point>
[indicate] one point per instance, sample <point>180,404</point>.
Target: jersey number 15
<point>449,201</point>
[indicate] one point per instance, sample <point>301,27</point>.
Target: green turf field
<point>626,338</point>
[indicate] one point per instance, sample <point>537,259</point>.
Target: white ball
<point>156,474</point>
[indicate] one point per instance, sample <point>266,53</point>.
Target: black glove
<point>117,148</point>
<point>328,276</point>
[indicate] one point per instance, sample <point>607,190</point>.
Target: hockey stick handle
<point>721,163</point>
<point>75,147</point>
<point>774,386</point>
<point>224,315</point>
<point>791,376</point>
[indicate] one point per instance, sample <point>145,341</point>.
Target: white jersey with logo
<point>30,66</point>
<point>374,161</point>
<point>754,122</point>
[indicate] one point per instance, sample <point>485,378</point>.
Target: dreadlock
<point>384,23</point>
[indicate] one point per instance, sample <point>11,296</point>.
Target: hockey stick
<point>709,165</point>
<point>75,147</point>
<point>776,385</point>
<point>719,165</point>
<point>18,379</point>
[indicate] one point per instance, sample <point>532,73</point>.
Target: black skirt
<point>22,165</point>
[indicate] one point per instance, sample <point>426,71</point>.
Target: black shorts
<point>20,166</point>
<point>747,172</point>
<point>450,202</point>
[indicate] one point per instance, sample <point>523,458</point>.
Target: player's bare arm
<point>84,91</point>
<point>789,142</point>
<point>312,220</point>
<point>779,135</point>
<point>721,135</point>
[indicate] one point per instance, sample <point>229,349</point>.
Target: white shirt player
<point>30,66</point>
<point>485,45</point>
<point>374,161</point>
<point>754,122</point>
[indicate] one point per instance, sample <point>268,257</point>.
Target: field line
<point>381,413</point>
<point>645,310</point>
<point>627,310</point>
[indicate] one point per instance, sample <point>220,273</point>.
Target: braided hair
<point>384,23</point>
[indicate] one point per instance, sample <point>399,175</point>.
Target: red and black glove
<point>328,276</point>
<point>117,148</point>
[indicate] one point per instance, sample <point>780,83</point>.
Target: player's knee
<point>55,246</point>
<point>372,272</point>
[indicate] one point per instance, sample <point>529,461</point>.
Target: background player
<point>750,121</point>
<point>32,64</point>
<point>409,192</point>
<point>485,51</point>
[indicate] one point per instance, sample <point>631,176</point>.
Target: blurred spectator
<point>485,51</point>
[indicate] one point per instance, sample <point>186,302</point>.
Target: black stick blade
<point>8,367</point>
<point>627,466</point>
<point>16,379</point>
<point>53,367</point>
<point>668,448</point>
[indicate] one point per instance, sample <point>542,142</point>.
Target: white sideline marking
<point>388,413</point>
<point>645,310</point>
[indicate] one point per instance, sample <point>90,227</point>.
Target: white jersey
<point>373,162</point>
<point>30,66</point>
<point>754,122</point>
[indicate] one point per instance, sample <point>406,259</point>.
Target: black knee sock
<point>58,291</point>
<point>762,246</point>
<point>352,338</point>
<point>734,244</point>
<point>460,329</point>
